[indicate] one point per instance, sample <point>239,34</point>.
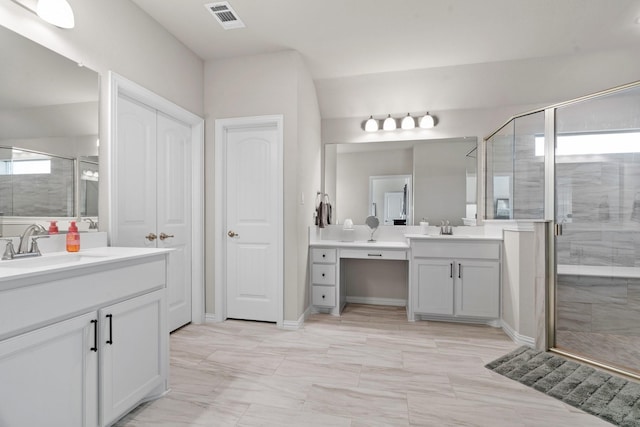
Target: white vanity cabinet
<point>455,278</point>
<point>83,346</point>
<point>50,376</point>
<point>323,277</point>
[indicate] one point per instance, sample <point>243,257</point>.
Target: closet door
<point>134,192</point>
<point>174,213</point>
<point>153,194</point>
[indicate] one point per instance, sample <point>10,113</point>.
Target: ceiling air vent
<point>226,16</point>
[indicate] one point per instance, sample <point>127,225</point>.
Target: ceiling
<point>342,38</point>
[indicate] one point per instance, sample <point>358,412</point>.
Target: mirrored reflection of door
<point>597,204</point>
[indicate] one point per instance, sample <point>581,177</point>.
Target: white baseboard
<point>516,337</point>
<point>378,301</point>
<point>211,318</point>
<point>296,324</point>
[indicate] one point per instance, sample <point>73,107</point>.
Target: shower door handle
<point>558,230</point>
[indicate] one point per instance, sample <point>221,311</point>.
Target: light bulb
<point>56,12</point>
<point>427,122</point>
<point>389,123</point>
<point>371,125</point>
<point>408,122</point>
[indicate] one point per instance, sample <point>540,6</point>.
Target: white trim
<point>211,318</point>
<point>221,127</point>
<point>516,337</point>
<point>395,302</point>
<point>120,85</point>
<point>297,324</point>
<point>454,319</point>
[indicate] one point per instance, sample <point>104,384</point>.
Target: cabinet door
<point>478,288</point>
<point>433,286</point>
<point>134,339</point>
<point>49,377</point>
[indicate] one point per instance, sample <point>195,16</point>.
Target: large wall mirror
<point>403,182</point>
<point>48,133</point>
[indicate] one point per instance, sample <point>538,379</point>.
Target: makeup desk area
<point>455,277</point>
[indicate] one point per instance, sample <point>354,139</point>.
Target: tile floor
<point>369,367</point>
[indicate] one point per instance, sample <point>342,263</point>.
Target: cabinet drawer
<point>323,296</point>
<point>466,249</point>
<point>323,255</point>
<point>323,274</point>
<point>374,254</point>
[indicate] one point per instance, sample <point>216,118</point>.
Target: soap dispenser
<point>73,238</point>
<point>53,227</point>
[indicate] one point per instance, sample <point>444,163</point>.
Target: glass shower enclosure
<point>577,165</point>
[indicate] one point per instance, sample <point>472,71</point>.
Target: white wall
<point>518,283</point>
<point>116,35</point>
<point>469,100</point>
<point>262,85</point>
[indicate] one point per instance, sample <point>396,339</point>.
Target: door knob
<point>165,236</point>
<point>150,237</point>
<point>232,234</point>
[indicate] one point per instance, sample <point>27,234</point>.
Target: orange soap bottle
<point>73,238</point>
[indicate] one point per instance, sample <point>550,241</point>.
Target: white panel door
<point>135,178</point>
<point>252,222</point>
<point>174,213</point>
<point>50,376</point>
<point>154,194</point>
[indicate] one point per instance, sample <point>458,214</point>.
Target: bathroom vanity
<point>450,277</point>
<point>454,278</point>
<point>83,336</point>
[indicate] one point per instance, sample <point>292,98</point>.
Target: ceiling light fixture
<point>408,122</point>
<point>56,12</point>
<point>427,121</point>
<point>389,123</point>
<point>371,125</point>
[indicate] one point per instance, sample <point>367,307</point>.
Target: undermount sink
<point>48,261</point>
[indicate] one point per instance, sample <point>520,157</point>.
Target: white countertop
<point>55,262</point>
<point>378,244</point>
<point>451,237</point>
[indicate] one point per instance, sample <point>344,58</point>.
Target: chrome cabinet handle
<point>150,237</point>
<point>232,234</point>
<point>165,236</point>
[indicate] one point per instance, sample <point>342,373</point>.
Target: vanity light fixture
<point>371,125</point>
<point>389,123</point>
<point>427,121</point>
<point>408,122</point>
<point>56,12</point>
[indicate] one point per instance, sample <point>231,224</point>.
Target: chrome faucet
<point>93,225</point>
<point>32,230</point>
<point>446,229</point>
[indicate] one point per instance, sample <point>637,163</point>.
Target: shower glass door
<point>597,210</point>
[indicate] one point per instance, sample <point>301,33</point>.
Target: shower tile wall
<point>600,225</point>
<point>42,195</point>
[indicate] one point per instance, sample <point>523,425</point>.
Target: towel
<point>323,211</point>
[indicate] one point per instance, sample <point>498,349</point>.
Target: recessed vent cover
<point>226,16</point>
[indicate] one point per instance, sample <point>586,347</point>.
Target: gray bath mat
<point>611,398</point>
